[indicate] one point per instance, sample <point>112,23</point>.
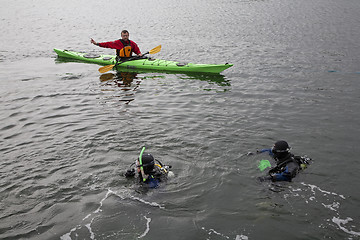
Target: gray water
<point>68,133</point>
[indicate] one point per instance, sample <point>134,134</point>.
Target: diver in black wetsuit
<point>287,165</point>
<point>154,171</point>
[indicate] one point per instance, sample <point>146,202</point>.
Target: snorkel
<point>141,166</point>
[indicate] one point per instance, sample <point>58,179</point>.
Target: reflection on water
<point>122,79</point>
<point>210,78</point>
<point>106,77</point>
<point>122,85</point>
<point>126,82</point>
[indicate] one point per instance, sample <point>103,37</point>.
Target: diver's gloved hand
<point>130,173</point>
<point>252,153</point>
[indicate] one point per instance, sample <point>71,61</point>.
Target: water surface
<point>68,133</point>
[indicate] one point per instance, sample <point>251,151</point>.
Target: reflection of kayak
<point>144,63</point>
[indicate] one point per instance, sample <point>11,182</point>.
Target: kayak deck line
<point>143,63</point>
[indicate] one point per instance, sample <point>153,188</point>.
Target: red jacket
<point>117,44</point>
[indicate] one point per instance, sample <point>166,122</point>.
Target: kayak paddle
<point>109,67</point>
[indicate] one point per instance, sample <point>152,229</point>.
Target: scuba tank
<point>159,167</point>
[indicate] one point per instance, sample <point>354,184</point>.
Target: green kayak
<point>144,63</point>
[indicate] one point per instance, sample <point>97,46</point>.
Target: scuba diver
<point>150,170</point>
<point>287,164</point>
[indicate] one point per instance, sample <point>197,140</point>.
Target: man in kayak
<point>150,174</point>
<point>124,46</point>
<point>287,165</point>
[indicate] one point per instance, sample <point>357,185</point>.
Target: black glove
<point>130,173</point>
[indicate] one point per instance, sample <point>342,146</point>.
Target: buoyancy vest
<point>126,51</point>
<point>280,167</point>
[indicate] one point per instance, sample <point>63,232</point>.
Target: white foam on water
<point>217,233</point>
<point>123,194</point>
<point>341,222</point>
<point>313,188</point>
<point>334,206</point>
<point>148,220</point>
<point>241,237</point>
<point>66,236</point>
<point>102,200</point>
<point>213,231</point>
<point>171,174</point>
<point>153,204</point>
<point>88,226</point>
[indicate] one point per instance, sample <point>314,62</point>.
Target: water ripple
<point>68,133</point>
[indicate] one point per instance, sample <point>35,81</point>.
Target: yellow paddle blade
<point>106,68</point>
<point>155,50</point>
